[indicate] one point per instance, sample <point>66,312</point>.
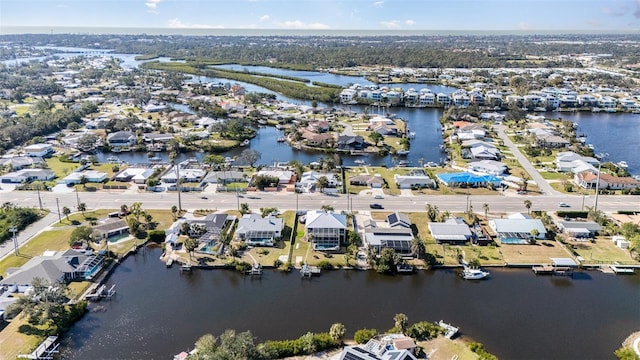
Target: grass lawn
<point>532,254</point>
<point>601,251</point>
<point>78,288</point>
<point>61,169</point>
<point>50,240</point>
<point>553,175</point>
<point>442,348</point>
<point>14,343</point>
<point>445,254</point>
<point>77,219</point>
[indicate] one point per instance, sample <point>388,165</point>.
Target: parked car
<point>378,197</point>
<point>376,206</point>
<point>564,205</point>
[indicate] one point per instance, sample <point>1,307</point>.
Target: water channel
<point>158,312</point>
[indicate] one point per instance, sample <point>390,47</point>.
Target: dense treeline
<point>289,87</point>
<point>18,217</point>
<point>462,51</point>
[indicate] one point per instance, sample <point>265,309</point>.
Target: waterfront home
<point>186,175</point>
<point>55,266</point>
<point>399,220</point>
<point>284,176</point>
<point>466,179</point>
<point>108,228</point>
<point>157,137</point>
<point>414,181</point>
<point>483,151</point>
<point>589,180</point>
<point>579,229</point>
<point>490,167</point>
<point>452,231</point>
<point>568,161</point>
<point>373,181</point>
<point>21,162</point>
<point>121,139</point>
<point>255,230</point>
<point>27,175</point>
<point>39,150</point>
<point>309,180</point>
<point>314,139</point>
<point>226,177</point>
<point>326,231</point>
<point>386,347</point>
<point>518,231</point>
<point>398,239</point>
<point>350,142</point>
<point>137,175</point>
<point>210,227</point>
<point>91,176</point>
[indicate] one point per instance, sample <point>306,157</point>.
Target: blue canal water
<point>158,312</point>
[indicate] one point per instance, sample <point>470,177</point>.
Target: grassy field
<point>533,254</point>
<point>55,240</point>
<point>442,348</point>
<point>601,251</point>
<point>14,343</point>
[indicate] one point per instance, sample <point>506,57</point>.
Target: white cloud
<point>524,26</point>
<point>409,22</point>
<point>392,24</point>
<point>378,4</point>
<point>177,24</point>
<point>297,24</point>
<point>152,4</point>
<point>264,18</point>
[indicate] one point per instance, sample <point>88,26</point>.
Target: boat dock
<point>621,270</point>
<point>558,266</point>
<point>102,293</point>
<point>545,269</point>
<point>45,350</point>
<point>169,262</point>
<point>309,271</point>
<point>451,330</point>
<point>185,268</point>
<point>256,270</point>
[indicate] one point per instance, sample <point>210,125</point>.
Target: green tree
<point>191,244</point>
<point>66,211</point>
<point>625,353</point>
<point>81,233</point>
<point>417,247</point>
<point>174,212</point>
<point>323,182</point>
<point>387,262</point>
<point>400,322</point>
<point>82,207</point>
<point>527,204</point>
<point>244,209</point>
<point>375,137</point>
<point>337,332</point>
<point>361,336</point>
<point>350,254</point>
<point>206,346</point>
<point>534,235</point>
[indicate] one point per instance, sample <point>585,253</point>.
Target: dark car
<point>376,206</point>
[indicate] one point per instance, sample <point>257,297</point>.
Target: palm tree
<point>485,207</point>
<point>82,207</point>
<point>527,204</point>
<point>401,322</point>
<point>174,212</point>
<point>417,247</point>
<point>66,211</point>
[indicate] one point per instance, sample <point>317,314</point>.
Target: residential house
<point>490,167</point>
<point>398,239</point>
<point>568,160</point>
<point>187,174</point>
<point>309,180</point>
<point>311,138</point>
<point>226,177</point>
<point>399,220</point>
<point>589,180</point>
<point>91,176</point>
<point>326,231</point>
<point>137,175</point>
<point>373,181</point>
<point>580,229</point>
<point>484,151</point>
<point>517,231</point>
<point>21,162</point>
<point>464,179</point>
<point>350,142</point>
<point>39,150</point>
<point>55,266</point>
<point>27,175</point>
<point>284,177</point>
<point>109,228</point>
<point>212,226</point>
<point>255,230</point>
<point>385,347</point>
<point>121,139</point>
<point>452,231</point>
<point>413,181</point>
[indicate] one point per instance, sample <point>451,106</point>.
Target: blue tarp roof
<point>467,178</point>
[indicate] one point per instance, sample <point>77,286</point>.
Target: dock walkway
<point>44,351</point>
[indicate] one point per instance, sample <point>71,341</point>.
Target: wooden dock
<point>618,270</point>
<point>545,269</point>
<point>309,271</point>
<point>169,262</point>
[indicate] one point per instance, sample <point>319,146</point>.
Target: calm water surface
<point>158,312</point>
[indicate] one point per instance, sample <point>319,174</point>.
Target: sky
<point>408,15</point>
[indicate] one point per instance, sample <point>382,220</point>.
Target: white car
<point>378,197</point>
<point>564,205</point>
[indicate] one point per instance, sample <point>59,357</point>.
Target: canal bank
<point>158,312</point>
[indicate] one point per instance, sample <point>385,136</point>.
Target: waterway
<point>158,312</point>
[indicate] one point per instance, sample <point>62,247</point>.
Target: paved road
<point>289,201</point>
<point>526,164</point>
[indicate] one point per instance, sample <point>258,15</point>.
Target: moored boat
<point>474,274</point>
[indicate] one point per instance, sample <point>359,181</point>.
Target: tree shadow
<point>31,330</point>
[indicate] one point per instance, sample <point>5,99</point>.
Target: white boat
<point>245,142</point>
<point>590,146</point>
<point>623,164</point>
<point>402,152</point>
<point>451,330</point>
<point>474,274</point>
<point>596,109</point>
<point>359,161</point>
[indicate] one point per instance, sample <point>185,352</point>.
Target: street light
<point>601,158</point>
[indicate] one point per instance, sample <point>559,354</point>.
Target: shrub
<point>325,265</point>
<point>424,330</point>
<point>361,336</point>
<point>156,236</point>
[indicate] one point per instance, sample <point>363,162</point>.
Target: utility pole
<point>14,229</point>
<point>59,215</point>
<point>601,159</point>
<point>77,198</point>
<point>178,187</point>
<point>39,198</point>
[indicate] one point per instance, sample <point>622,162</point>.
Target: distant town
<point>108,150</point>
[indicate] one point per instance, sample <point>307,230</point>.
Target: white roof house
<point>91,176</point>
<point>491,167</point>
<point>27,175</point>
<point>450,231</point>
<point>310,178</point>
<point>517,230</point>
<point>38,150</point>
<point>325,230</point>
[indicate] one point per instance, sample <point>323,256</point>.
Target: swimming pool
<point>514,241</point>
